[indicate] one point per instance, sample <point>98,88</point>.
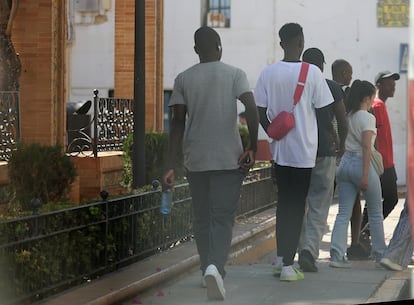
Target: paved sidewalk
<point>173,277</point>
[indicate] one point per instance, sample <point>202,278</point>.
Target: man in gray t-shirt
<point>205,125</point>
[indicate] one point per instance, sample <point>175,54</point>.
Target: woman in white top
<point>355,173</point>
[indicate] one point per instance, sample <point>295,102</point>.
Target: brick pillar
<point>38,36</point>
<point>124,57</point>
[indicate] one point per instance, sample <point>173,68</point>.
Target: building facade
<point>66,54</point>
<point>369,34</point>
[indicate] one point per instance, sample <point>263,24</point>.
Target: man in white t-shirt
<point>294,155</point>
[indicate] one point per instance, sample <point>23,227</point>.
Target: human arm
<point>381,117</point>
<point>342,122</point>
<point>366,157</point>
<point>175,142</point>
<point>13,12</point>
<point>261,100</point>
<point>264,121</point>
<point>252,119</point>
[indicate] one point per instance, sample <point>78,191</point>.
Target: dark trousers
<point>292,185</point>
<point>215,197</point>
<point>389,194</point>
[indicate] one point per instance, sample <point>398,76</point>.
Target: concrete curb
<point>392,288</point>
<point>242,243</point>
<point>147,282</point>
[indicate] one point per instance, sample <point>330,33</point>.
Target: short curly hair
<point>290,31</point>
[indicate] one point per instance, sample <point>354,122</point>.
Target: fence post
<point>95,123</point>
<point>104,195</point>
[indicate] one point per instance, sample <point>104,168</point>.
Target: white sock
<point>279,261</point>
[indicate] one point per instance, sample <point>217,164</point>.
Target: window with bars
<point>217,13</point>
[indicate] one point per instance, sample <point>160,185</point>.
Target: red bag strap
<point>301,82</point>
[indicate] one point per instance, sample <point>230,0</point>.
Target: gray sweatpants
<point>318,201</point>
<point>215,197</point>
<point>400,249</point>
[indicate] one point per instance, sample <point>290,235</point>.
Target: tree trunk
<point>10,66</point>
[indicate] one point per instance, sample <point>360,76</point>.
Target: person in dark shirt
<point>321,186</point>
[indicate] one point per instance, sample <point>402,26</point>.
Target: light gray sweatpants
<point>318,202</point>
<point>400,249</point>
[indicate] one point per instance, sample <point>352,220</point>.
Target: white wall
<point>341,29</point>
<point>91,57</point>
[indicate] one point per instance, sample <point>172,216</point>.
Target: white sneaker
<point>338,260</point>
<point>344,263</point>
<point>390,265</point>
<point>203,282</point>
<point>214,282</point>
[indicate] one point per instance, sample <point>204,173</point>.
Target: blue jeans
<point>389,194</point>
<point>348,179</point>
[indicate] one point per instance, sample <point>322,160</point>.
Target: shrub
<point>156,150</point>
<point>38,171</point>
<point>244,135</point>
<point>62,254</point>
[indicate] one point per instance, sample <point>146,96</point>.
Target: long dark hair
<point>360,89</point>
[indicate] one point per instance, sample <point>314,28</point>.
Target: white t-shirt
<point>274,90</point>
<point>211,138</point>
<point>359,122</point>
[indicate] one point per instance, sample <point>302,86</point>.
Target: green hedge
<point>156,150</point>
<point>39,171</point>
<point>44,261</point>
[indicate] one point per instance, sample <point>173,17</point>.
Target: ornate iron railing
<point>43,254</point>
<point>111,123</point>
<point>9,123</point>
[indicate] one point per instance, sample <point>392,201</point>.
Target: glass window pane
<point>225,3</point>
<point>214,4</point>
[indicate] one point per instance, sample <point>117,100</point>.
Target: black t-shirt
<point>324,117</point>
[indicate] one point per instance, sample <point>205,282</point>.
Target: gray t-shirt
<point>211,138</point>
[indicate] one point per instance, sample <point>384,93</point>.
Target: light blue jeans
<point>348,177</point>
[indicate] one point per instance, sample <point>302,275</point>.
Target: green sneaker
<point>277,270</point>
<point>291,274</point>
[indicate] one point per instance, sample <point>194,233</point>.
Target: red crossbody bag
<point>285,121</point>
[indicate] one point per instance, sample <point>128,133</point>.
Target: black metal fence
<point>111,122</point>
<point>43,254</point>
<point>9,123</point>
<point>110,125</point>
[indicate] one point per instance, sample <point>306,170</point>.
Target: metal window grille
<point>218,13</point>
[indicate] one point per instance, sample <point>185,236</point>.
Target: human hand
<point>169,179</point>
<point>340,152</point>
<point>247,160</point>
<point>364,184</point>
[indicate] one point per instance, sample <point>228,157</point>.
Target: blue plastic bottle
<point>166,201</point>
